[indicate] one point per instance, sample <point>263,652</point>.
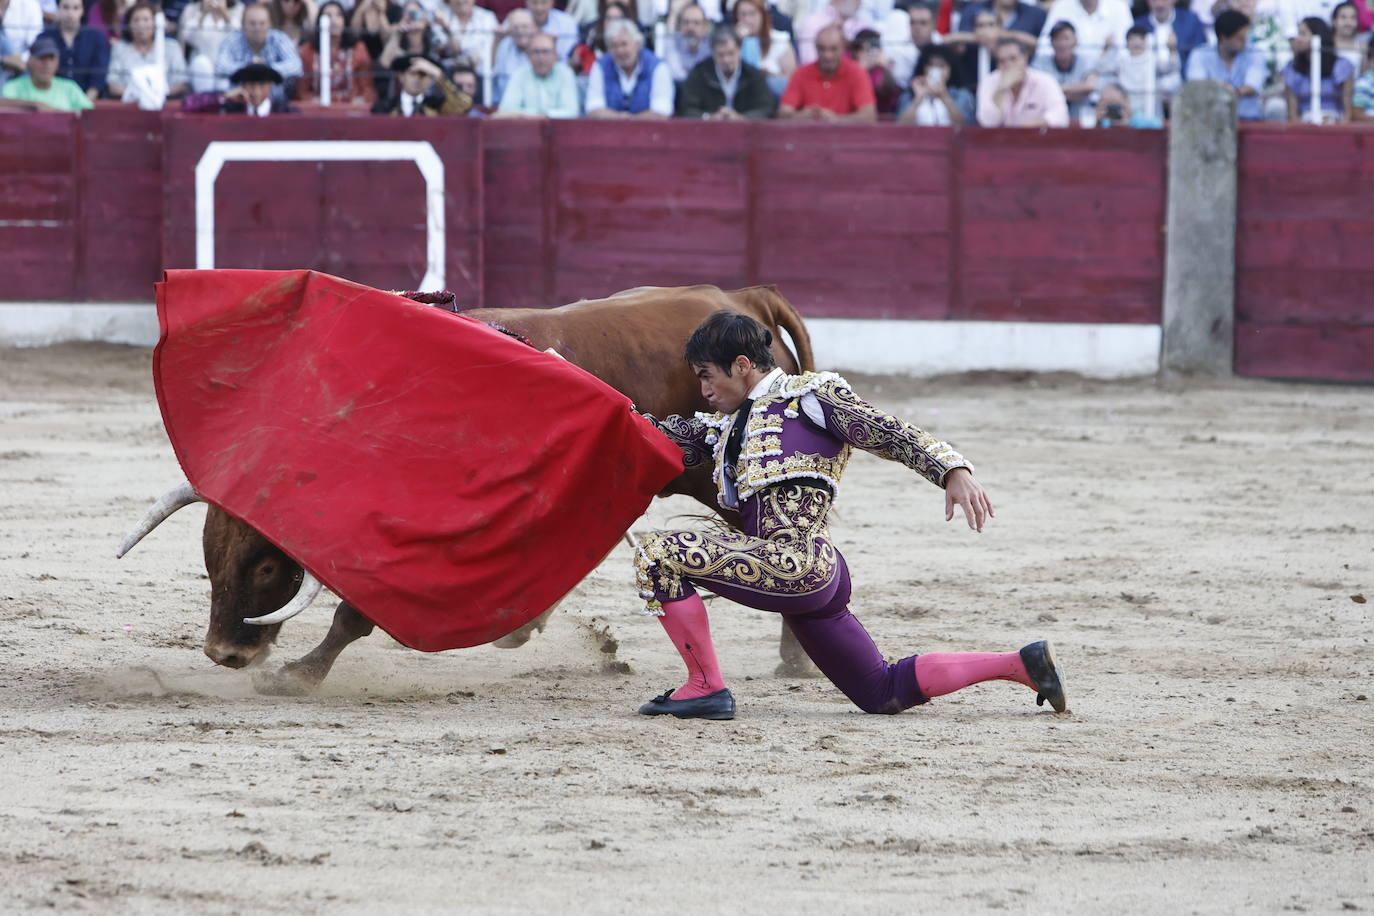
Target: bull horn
<point>176,498</point>
<point>310,588</point>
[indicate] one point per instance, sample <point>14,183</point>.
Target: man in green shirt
<point>42,88</point>
<point>541,88</point>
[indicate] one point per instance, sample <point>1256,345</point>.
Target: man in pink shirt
<point>834,88</point>
<point>1015,96</point>
<point>846,14</point>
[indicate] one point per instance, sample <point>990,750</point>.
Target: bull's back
<point>633,341</point>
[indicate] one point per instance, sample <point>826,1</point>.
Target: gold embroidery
<point>792,555</point>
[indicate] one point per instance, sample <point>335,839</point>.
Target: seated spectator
<point>1337,76</point>
<point>1232,64</point>
<point>203,28</point>
<point>1075,73</point>
<point>867,51</point>
<point>978,47</point>
<point>511,50</point>
<point>762,45</point>
<point>259,43</point>
<point>414,33</point>
<point>471,32</point>
<point>1114,110</point>
<point>848,15</point>
<point>1345,30</point>
<point>106,15</point>
<point>688,45</point>
<point>293,18</point>
<point>350,66</point>
<point>422,90</point>
<point>1009,16</point>
<point>373,21</point>
<point>465,79</point>
<point>553,22</point>
<point>138,49</point>
<point>584,56</point>
<point>831,89</point>
<point>84,52</point>
<point>22,22</point>
<point>629,81</point>
<point>1133,73</point>
<point>1362,97</point>
<point>723,87</point>
<point>1099,24</point>
<point>937,98</point>
<point>1017,96</point>
<point>906,56</point>
<point>41,88</point>
<point>1174,27</point>
<point>543,88</point>
<point>254,93</point>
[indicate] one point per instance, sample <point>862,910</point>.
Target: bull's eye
<point>267,570</point>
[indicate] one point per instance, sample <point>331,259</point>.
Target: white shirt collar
<point>765,383</point>
<point>264,109</point>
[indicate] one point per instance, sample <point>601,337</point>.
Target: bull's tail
<point>782,315</point>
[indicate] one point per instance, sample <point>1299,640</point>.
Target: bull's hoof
<point>284,683</point>
<point>513,640</point>
<point>796,667</point>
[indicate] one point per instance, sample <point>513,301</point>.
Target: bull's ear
<point>180,496</point>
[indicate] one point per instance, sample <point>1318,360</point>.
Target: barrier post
<point>1314,73</point>
<point>325,61</point>
<point>1200,247</point>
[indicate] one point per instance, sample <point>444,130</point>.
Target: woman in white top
<point>203,28</point>
<point>470,31</point>
<point>762,45</point>
<point>138,48</point>
<point>1350,44</point>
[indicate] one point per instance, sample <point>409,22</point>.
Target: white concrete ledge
<point>40,324</point>
<point>941,347</point>
<point>899,347</point>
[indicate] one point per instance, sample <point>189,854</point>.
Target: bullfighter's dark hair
<point>726,335</point>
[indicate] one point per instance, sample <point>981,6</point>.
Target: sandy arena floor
<point>1201,557</point>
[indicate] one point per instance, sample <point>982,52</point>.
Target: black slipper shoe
<point>718,705</point>
<point>1038,658</point>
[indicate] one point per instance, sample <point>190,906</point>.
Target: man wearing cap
<point>253,94</point>
<point>42,89</point>
<point>422,90</point>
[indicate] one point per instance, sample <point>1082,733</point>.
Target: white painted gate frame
<point>420,152</point>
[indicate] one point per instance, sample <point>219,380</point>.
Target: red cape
<point>448,481</point>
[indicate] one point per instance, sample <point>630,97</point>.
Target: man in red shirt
<point>834,88</point>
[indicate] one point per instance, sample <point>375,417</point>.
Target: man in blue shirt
<point>83,52</point>
<point>1240,68</point>
<point>259,43</point>
<point>1012,16</point>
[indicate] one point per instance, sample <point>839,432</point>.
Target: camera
<point>1114,112</point>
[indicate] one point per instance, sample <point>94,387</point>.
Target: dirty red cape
<point>450,482</point>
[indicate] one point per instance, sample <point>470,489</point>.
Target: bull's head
<point>247,574</point>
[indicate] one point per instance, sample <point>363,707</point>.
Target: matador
<point>779,444</point>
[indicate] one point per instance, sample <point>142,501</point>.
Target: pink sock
<point>689,628</point>
<point>939,673</point>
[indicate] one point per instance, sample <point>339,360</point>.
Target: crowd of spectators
<point>993,63</point>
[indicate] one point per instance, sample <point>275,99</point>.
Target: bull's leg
<point>795,662</point>
<point>309,671</point>
<point>521,636</point>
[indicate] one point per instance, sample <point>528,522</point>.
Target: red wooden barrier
<point>862,222</point>
<point>1304,269</point>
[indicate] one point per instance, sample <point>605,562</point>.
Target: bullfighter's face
<point>725,393</point>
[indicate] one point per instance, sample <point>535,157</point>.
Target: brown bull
<point>632,341</point>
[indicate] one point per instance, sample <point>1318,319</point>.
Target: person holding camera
<point>937,97</point>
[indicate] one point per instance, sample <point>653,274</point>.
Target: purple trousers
<point>785,563</point>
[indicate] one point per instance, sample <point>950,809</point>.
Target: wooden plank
<point>1284,296</point>
<point>1303,245</point>
<point>1334,352</point>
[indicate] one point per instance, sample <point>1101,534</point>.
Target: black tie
<point>735,443</point>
